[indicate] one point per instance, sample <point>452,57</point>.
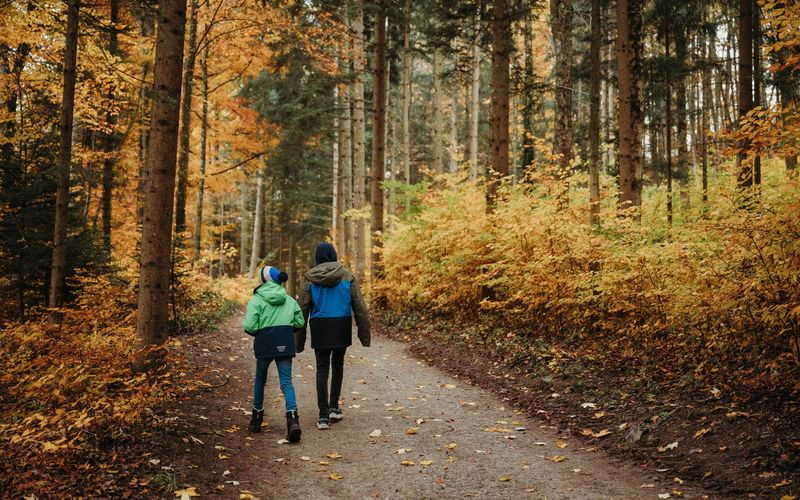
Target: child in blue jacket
<point>330,298</point>
<point>271,318</point>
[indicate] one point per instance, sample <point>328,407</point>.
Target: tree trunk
<point>475,105</point>
<point>146,27</point>
<point>629,65</point>
<point>186,122</point>
<point>346,151</point>
<point>757,81</point>
<point>501,50</point>
<point>201,176</point>
<point>594,116</point>
<point>244,228</point>
<point>379,141</point>
<point>744,167</point>
<point>704,114</point>
<point>406,83</point>
<point>454,131</point>
<point>345,165</point>
<point>110,139</point>
<point>336,208</point>
<point>359,157</point>
<point>255,252</point>
<point>438,152</point>
<point>59,268</point>
<point>561,12</point>
<point>528,152</point>
<point>668,115</point>
<point>160,174</point>
<point>682,170</point>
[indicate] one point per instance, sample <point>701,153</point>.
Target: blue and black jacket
<point>330,298</point>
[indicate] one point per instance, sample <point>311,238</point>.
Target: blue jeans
<point>284,375</point>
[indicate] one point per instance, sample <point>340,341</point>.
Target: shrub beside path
<point>410,431</point>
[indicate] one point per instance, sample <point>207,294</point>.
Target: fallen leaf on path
<point>664,495</point>
<point>561,443</point>
<point>452,446</point>
<point>376,433</point>
<point>412,431</point>
<point>335,476</point>
<point>187,492</point>
<point>407,462</point>
<point>280,460</point>
<point>222,456</point>
<point>426,463</point>
<point>354,406</point>
<point>540,443</point>
<point>246,495</point>
<point>401,451</point>
<point>781,484</point>
<point>154,461</point>
<point>603,433</point>
<point>396,408</point>
<point>647,486</point>
<point>412,398</point>
<point>232,429</point>
<point>324,462</point>
<point>233,483</point>
<point>702,431</point>
<point>451,459</point>
<point>448,386</point>
<point>671,446</point>
<point>734,414</point>
<point>510,436</point>
<point>716,392</point>
<point>497,429</point>
<point>226,473</point>
<point>196,441</point>
<point>501,422</point>
<point>420,421</point>
<point>624,426</point>
<point>707,474</point>
<point>504,479</point>
<point>557,458</point>
<point>333,455</point>
<point>480,451</point>
<point>591,406</point>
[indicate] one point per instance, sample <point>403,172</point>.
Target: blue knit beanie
<point>273,273</point>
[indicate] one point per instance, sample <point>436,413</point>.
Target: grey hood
<point>328,274</point>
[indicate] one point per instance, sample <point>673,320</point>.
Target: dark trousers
<point>329,360</point>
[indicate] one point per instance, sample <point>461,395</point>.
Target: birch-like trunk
<point>186,122</point>
<point>359,157</point>
<point>256,241</point>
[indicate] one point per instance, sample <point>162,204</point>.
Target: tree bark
<point>528,152</point>
<point>110,139</point>
<point>744,167</point>
<point>475,105</point>
<point>186,122</point>
<point>255,252</point>
<point>594,116</point>
<point>757,81</point>
<point>438,152</point>
<point>244,228</point>
<point>346,151</point>
<point>454,131</point>
<point>336,208</point>
<point>201,175</point>
<point>629,65</point>
<point>682,170</point>
<point>561,12</point>
<point>668,117</point>
<point>379,141</point>
<point>59,266</point>
<point>501,51</point>
<point>359,157</point>
<point>159,187</point>
<point>406,83</point>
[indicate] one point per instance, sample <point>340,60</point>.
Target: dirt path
<point>467,442</point>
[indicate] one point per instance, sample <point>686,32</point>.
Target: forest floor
<point>410,431</point>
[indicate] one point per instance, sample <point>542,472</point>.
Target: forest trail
<point>461,447</point>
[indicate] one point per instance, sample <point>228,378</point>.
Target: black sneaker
<point>293,430</point>
<point>256,419</point>
<point>336,414</point>
<point>323,423</point>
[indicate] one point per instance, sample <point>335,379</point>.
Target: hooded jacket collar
<point>327,274</point>
<point>272,293</point>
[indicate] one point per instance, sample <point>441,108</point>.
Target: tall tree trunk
<point>757,81</point>
<point>475,105</point>
<point>629,67</point>
<point>336,208</point>
<point>59,268</point>
<point>345,166</point>
<point>704,114</point>
<point>438,152</point>
<point>501,51</point>
<point>346,151</point>
<point>244,229</point>
<point>594,116</point>
<point>454,131</point>
<point>359,157</point>
<point>406,83</point>
<point>379,141</point>
<point>186,122</point>
<point>159,189</point>
<point>528,152</point>
<point>744,167</point>
<point>561,12</point>
<point>668,115</point>
<point>255,252</point>
<point>682,170</point>
<point>110,139</point>
<point>146,29</point>
<point>201,176</point>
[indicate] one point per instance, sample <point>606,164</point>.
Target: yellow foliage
<point>724,282</point>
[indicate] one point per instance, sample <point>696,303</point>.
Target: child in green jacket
<point>271,319</point>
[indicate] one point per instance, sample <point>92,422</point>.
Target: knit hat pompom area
<point>274,274</point>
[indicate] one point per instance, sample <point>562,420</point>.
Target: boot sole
<point>294,436</point>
